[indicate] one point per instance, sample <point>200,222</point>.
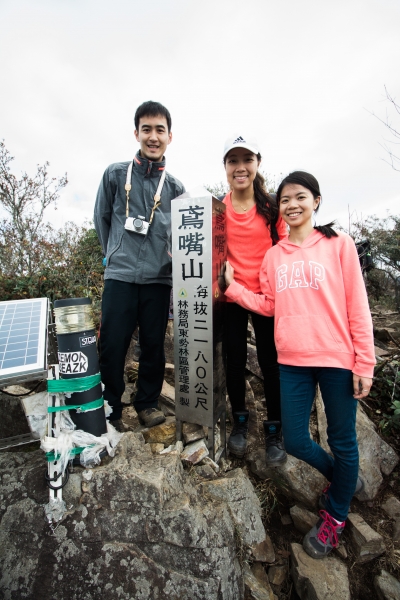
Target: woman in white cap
<point>253,226</point>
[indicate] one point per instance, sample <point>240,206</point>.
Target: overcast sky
<point>300,75</point>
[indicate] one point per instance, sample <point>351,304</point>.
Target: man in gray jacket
<point>132,217</point>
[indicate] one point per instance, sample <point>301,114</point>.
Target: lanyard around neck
<point>157,195</point>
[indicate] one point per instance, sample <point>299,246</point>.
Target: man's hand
<point>229,273</point>
<point>361,386</point>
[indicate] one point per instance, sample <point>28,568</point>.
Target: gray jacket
<point>130,256</point>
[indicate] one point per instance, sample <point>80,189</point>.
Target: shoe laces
<point>240,428</point>
<point>274,439</point>
<point>328,529</point>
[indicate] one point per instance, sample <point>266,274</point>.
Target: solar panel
<point>23,338</point>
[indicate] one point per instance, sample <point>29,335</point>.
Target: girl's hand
<point>229,273</point>
<point>361,386</point>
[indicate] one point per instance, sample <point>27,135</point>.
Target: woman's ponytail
<point>327,230</point>
<point>266,206</point>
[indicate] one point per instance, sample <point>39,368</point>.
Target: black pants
<point>124,305</point>
<point>236,319</point>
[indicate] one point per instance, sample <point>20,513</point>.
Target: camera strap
<point>157,196</point>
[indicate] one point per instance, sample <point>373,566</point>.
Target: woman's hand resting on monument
<point>229,273</point>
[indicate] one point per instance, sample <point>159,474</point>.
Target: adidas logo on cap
<point>239,140</point>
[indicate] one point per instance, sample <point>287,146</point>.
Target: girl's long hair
<point>266,205</point>
<point>308,181</point>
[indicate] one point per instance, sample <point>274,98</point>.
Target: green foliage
<point>383,283</point>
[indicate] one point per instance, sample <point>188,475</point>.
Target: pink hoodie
<point>317,293</point>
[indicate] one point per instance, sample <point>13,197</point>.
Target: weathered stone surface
<point>295,478</point>
<point>386,586</point>
<point>367,543</point>
<point>205,471</point>
<point>391,506</point>
<point>237,490</point>
<point>141,530</point>
<point>278,574</point>
<point>252,361</point>
<point>256,589</point>
<point>156,448</point>
<point>195,452</point>
<point>318,579</point>
<point>264,551</point>
<point>165,433</point>
<point>303,519</point>
<point>166,399</point>
<point>376,456</point>
<point>12,416</point>
<point>192,432</point>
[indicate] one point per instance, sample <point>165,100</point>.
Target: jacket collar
<point>146,167</point>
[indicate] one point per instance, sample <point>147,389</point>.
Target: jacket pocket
<point>115,248</point>
<point>307,333</point>
<point>158,258</point>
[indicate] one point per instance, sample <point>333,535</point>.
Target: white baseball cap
<point>238,141</point>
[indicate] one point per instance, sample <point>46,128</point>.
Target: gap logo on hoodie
<point>302,274</point>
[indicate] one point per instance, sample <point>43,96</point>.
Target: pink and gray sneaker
<point>323,537</point>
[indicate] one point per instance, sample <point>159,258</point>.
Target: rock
<point>129,391</point>
<point>303,519</point>
<point>367,543</point>
<point>165,433</point>
<point>264,551</point>
<point>205,471</point>
<point>169,342</point>
<point>237,490</point>
<point>380,352</point>
<point>256,589</point>
<point>141,530</point>
<point>286,520</point>
<point>252,361</point>
<point>156,448</point>
<point>376,456</point>
<point>383,333</point>
<point>391,506</point>
<point>167,398</point>
<point>318,579</point>
<point>295,478</point>
<point>386,586</point>
<point>341,551</point>
<point>210,463</point>
<point>169,374</point>
<point>192,432</point>
<point>12,416</point>
<point>194,453</point>
<point>277,574</point>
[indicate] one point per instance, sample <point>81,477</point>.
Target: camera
<point>138,225</point>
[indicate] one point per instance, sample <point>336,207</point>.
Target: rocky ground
<point>194,530</point>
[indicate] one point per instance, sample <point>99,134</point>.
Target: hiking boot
<point>237,442</point>
<point>150,417</point>
<point>275,449</point>
<point>323,537</point>
<point>118,425</point>
<point>325,493</point>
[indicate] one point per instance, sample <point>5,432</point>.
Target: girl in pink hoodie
<point>312,283</point>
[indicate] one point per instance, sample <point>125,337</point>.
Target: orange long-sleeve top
<point>248,239</point>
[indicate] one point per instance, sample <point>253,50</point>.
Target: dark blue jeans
<point>298,385</point>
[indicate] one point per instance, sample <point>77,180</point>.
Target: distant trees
<point>35,258</point>
<point>394,131</point>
